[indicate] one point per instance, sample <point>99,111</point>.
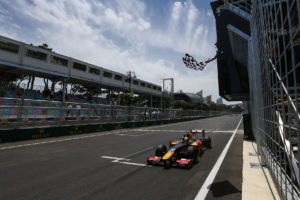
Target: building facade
<point>219,101</point>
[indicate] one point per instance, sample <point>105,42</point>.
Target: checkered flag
<point>190,62</point>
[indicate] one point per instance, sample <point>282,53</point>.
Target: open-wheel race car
<point>181,153</point>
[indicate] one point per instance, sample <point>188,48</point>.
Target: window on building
<point>159,88</point>
<point>59,61</point>
<point>94,71</point>
<point>79,66</point>
<point>107,74</point>
<point>10,47</point>
<point>143,84</point>
<point>135,82</point>
<point>36,55</point>
<point>149,86</point>
<point>154,87</point>
<point>118,77</point>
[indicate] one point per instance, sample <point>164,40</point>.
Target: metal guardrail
<point>16,109</point>
<point>240,7</point>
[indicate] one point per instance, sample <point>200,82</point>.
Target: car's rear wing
<point>198,130</point>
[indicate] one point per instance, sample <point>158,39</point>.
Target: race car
<point>203,137</point>
<point>181,153</point>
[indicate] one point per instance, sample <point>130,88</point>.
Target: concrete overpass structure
<point>18,57</point>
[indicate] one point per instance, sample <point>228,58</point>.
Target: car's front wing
<point>155,160</point>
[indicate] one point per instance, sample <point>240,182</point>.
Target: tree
<point>30,82</point>
<point>78,88</point>
<point>212,106</point>
<point>10,79</point>
<point>124,99</point>
<point>21,78</point>
<point>237,109</point>
<point>53,83</point>
<point>46,82</point>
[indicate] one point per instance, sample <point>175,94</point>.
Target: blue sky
<point>149,37</point>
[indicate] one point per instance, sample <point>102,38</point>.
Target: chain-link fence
<point>274,73</point>
<point>23,110</point>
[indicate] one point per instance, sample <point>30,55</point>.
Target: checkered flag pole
<point>190,62</point>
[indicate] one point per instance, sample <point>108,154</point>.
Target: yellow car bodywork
<point>168,155</point>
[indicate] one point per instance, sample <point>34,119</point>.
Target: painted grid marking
<point>119,133</point>
<point>124,161</point>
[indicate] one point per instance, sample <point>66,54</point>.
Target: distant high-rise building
<point>207,100</point>
<point>200,94</point>
<point>219,101</point>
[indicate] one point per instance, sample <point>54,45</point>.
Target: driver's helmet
<point>186,139</point>
<point>190,135</point>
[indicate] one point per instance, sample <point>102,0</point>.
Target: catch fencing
<point>274,73</point>
<point>20,110</point>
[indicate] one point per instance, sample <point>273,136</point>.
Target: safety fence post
<point>20,109</point>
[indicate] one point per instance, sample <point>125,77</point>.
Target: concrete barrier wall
<point>56,131</point>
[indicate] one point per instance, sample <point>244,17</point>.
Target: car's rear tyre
<point>201,151</point>
<point>160,150</point>
<point>209,142</point>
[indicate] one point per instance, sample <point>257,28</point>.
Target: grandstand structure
<point>20,104</point>
<point>19,58</point>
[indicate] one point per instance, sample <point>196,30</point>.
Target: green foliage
<point>124,99</point>
<point>184,105</point>
<point>2,91</point>
<point>237,109</point>
<point>212,106</point>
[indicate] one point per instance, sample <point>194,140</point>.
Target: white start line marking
<point>124,161</point>
<point>118,133</point>
<point>126,135</point>
<point>183,131</point>
<point>60,140</point>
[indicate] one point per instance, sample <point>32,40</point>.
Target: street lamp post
<point>130,75</point>
<point>171,93</point>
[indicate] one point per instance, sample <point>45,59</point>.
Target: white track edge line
<point>53,141</point>
<point>213,173</point>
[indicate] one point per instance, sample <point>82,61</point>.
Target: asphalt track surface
<point>112,165</point>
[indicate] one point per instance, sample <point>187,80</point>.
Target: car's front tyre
<point>160,150</point>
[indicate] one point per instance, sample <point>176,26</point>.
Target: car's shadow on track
<point>222,188</point>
